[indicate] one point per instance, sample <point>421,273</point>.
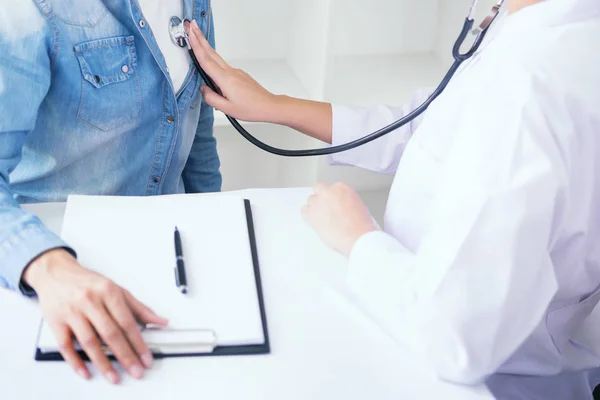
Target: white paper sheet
<point>130,240</point>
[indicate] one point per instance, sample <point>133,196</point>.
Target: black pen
<point>180,279</point>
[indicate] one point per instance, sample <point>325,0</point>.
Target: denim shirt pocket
<point>111,94</point>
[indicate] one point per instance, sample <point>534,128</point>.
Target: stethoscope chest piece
<point>177,32</point>
<point>180,38</point>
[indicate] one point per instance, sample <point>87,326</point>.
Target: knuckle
<point>64,345</point>
<point>111,334</point>
<point>107,287</point>
<point>128,359</point>
<point>88,341</point>
<point>72,309</point>
<point>130,326</point>
<point>84,296</point>
<point>340,187</point>
<point>319,187</point>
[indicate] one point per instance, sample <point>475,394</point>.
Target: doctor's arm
<point>245,99</point>
<point>481,280</point>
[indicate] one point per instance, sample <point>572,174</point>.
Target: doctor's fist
<point>243,98</point>
<point>81,305</point>
<point>338,215</point>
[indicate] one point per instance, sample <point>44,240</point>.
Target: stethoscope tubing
<point>459,58</point>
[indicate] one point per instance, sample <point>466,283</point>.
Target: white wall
<point>347,51</point>
<point>382,27</point>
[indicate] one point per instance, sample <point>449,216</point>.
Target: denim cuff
<point>19,250</point>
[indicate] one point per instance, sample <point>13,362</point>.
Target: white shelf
<point>340,51</point>
<point>371,80</point>
<point>383,26</point>
<point>357,80</point>
<point>245,166</point>
<point>275,75</point>
<point>251,29</point>
<point>391,80</point>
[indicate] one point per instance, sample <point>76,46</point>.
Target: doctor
<point>489,260</point>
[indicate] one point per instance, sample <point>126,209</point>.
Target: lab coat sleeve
<point>381,155</point>
<point>481,280</point>
<point>26,54</point>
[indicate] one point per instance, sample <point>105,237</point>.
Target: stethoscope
<point>180,38</point>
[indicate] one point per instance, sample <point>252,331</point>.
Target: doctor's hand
<point>243,98</point>
<point>78,303</point>
<point>338,215</point>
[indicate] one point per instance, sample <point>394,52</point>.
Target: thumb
<point>143,313</point>
<point>215,100</point>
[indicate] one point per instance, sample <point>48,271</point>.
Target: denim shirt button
<point>142,23</point>
<point>157,179</point>
<point>170,119</point>
<point>203,14</point>
<point>97,78</point>
<point>125,69</point>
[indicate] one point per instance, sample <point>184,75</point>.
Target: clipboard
<point>198,342</point>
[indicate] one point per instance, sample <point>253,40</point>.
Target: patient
<point>87,109</point>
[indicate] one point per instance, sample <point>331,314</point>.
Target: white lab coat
<point>489,261</point>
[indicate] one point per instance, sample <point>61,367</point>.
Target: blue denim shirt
<point>87,106</point>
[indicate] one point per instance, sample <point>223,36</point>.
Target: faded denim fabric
<point>87,107</point>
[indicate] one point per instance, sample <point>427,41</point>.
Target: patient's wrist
<point>39,267</point>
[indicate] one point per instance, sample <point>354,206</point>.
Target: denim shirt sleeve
<point>26,51</point>
<point>201,172</point>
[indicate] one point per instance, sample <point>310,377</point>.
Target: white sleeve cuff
<point>352,123</point>
<point>342,131</point>
<point>380,276</point>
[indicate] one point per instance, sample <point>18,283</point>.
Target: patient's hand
<point>78,302</point>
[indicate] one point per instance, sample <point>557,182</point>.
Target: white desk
<point>322,348</point>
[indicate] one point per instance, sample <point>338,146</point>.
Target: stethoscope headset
<point>179,37</point>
